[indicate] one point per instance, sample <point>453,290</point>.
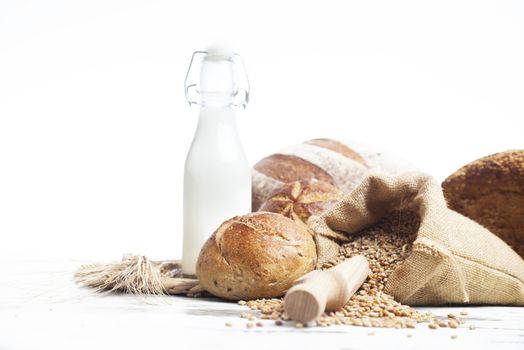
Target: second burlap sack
<point>454,260</point>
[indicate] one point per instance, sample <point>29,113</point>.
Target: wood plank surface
<point>42,308</point>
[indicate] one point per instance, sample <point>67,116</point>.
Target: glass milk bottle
<point>217,175</point>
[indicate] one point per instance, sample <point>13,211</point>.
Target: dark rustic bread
<point>258,255</point>
<point>490,191</point>
<point>299,200</point>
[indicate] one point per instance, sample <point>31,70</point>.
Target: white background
<point>94,126</point>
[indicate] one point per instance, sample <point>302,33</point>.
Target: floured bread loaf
<point>299,200</point>
<point>258,255</point>
<point>325,160</point>
<point>490,191</point>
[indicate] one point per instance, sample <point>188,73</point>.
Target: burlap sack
<point>454,260</point>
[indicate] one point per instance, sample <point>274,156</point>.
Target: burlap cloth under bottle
<point>454,260</point>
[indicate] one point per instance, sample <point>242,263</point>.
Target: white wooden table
<point>41,308</point>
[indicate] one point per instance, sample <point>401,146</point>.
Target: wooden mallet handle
<point>327,290</point>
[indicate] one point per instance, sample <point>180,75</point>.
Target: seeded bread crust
<point>258,255</point>
<point>490,191</point>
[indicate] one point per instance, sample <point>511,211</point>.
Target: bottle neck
<point>217,115</point>
<point>217,137</point>
<point>217,122</point>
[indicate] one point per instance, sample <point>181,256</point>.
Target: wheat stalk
<point>135,274</point>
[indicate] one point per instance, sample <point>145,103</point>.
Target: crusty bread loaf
<point>338,147</point>
<point>490,191</point>
<point>299,200</point>
<point>258,255</point>
<point>320,159</point>
<point>325,160</point>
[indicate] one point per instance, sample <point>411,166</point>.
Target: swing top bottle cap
<point>219,52</point>
<point>217,78</point>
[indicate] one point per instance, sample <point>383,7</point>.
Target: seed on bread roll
<point>299,200</point>
<point>258,255</point>
<point>490,191</point>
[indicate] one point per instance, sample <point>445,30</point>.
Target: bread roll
<point>490,191</point>
<point>325,160</point>
<point>257,255</point>
<point>299,200</point>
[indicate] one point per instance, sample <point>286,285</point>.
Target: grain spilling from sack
<point>385,245</point>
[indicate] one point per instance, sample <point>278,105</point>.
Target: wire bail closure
<point>241,90</point>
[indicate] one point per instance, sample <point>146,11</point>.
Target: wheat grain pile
<point>385,245</point>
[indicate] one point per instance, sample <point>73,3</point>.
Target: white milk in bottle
<point>217,175</point>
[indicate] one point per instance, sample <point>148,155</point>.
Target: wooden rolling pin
<point>327,290</point>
